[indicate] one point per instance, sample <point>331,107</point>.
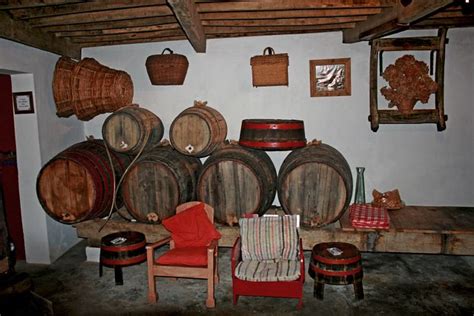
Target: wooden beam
<point>418,9</point>
<point>33,3</point>
<point>137,29</point>
<point>393,20</point>
<point>284,22</point>
<point>447,23</point>
<point>286,14</point>
<point>154,21</point>
<point>219,34</point>
<point>75,8</point>
<point>21,32</point>
<point>186,13</point>
<point>229,6</point>
<point>102,16</point>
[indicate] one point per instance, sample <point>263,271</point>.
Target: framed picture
<point>23,102</point>
<point>330,77</point>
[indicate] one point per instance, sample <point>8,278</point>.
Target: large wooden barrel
<point>62,86</point>
<point>271,134</point>
<point>131,128</point>
<point>316,183</point>
<point>236,180</point>
<point>160,180</point>
<point>97,89</point>
<point>77,184</point>
<point>198,130</point>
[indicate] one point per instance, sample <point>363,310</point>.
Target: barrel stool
<point>121,249</point>
<point>337,269</point>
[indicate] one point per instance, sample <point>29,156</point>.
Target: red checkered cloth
<point>368,216</point>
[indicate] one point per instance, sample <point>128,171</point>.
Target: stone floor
<point>394,284</point>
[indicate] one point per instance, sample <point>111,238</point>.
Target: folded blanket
<point>368,216</point>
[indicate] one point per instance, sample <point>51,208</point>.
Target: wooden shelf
<point>413,229</point>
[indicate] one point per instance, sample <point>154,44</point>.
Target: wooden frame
<point>433,44</point>
<point>23,102</point>
<point>335,83</point>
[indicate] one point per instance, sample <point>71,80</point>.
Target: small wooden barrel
<point>131,128</point>
<point>122,249</point>
<point>198,130</point>
<point>236,180</point>
<point>62,86</point>
<point>77,184</point>
<point>160,180</point>
<point>272,134</point>
<point>316,183</point>
<point>99,89</point>
<point>328,268</point>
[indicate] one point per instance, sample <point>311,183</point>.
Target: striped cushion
<point>269,238</point>
<point>268,271</point>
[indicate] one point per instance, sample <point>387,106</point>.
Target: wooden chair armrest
<point>235,255</point>
<point>158,243</point>
<point>213,245</point>
<point>302,269</point>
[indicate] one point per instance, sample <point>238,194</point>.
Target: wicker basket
<point>167,69</point>
<point>269,70</point>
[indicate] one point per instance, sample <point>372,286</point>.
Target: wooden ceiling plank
<point>284,5</point>
<point>419,9</point>
<point>102,16</point>
<point>187,16</point>
<point>120,37</point>
<point>21,32</point>
<point>33,4</point>
<point>217,35</point>
<point>81,7</point>
<point>138,29</point>
<point>284,22</point>
<point>392,20</point>
<point>266,14</point>
<point>111,24</point>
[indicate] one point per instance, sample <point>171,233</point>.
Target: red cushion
<point>191,228</point>
<point>196,257</point>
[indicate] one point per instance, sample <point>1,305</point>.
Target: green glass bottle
<point>360,186</point>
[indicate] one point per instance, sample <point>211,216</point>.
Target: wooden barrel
<point>160,180</point>
<point>77,184</point>
<point>198,130</point>
<point>236,180</point>
<point>62,86</point>
<point>122,248</point>
<point>316,183</point>
<point>99,89</point>
<point>337,269</point>
<point>269,134</point>
<point>131,128</point>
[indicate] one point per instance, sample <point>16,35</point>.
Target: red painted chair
<point>193,249</point>
<point>267,259</point>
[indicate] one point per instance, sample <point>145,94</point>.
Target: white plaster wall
<point>39,136</point>
<point>428,167</point>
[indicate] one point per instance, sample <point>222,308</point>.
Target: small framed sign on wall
<point>330,77</point>
<point>23,102</point>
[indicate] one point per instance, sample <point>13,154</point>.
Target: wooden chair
<point>196,262</point>
<point>266,247</point>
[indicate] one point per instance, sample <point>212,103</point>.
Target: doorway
<point>8,167</point>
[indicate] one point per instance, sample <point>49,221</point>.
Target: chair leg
<point>358,290</point>
<point>318,290</point>
<point>300,304</point>
<point>152,295</point>
<point>210,302</point>
<point>236,298</point>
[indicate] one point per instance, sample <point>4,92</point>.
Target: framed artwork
<point>330,77</point>
<point>23,102</point>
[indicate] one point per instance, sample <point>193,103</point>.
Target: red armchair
<point>265,278</point>
<point>193,249</point>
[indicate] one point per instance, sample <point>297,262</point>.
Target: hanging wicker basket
<point>269,69</point>
<point>167,69</point>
